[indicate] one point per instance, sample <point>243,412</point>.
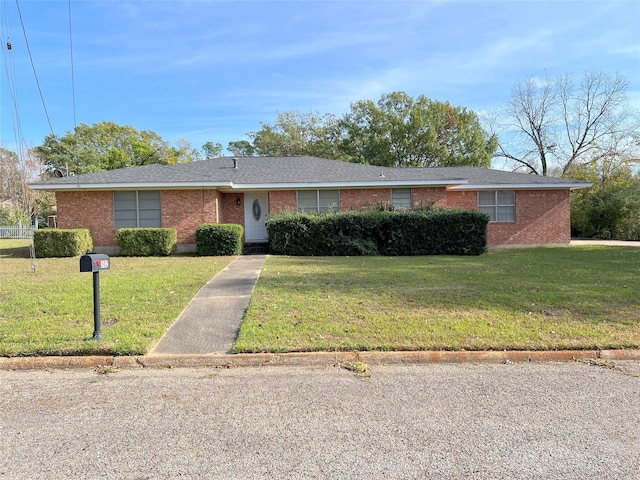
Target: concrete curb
<point>311,359</point>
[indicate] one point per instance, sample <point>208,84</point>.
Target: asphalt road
<point>533,421</point>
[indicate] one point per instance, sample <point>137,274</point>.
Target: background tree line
<point>395,131</point>
<point>582,129</point>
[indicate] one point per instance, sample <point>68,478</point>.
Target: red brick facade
<point>92,210</point>
<point>364,198</point>
<point>185,210</point>
<point>541,216</point>
<point>427,197</point>
<point>231,211</point>
<point>465,200</point>
<point>282,201</point>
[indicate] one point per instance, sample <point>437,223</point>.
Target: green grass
<point>50,312</point>
<point>537,298</point>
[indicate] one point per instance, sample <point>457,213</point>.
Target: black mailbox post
<point>95,262</point>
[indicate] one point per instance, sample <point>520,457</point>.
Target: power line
<point>73,81</point>
<point>26,40</point>
<point>9,68</point>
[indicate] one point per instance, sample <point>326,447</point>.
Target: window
<point>401,198</point>
<point>500,205</point>
<point>137,209</point>
<point>322,201</point>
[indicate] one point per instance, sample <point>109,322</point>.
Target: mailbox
<point>94,262</point>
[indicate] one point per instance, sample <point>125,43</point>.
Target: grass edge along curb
<point>312,359</point>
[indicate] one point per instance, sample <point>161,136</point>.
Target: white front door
<point>256,208</point>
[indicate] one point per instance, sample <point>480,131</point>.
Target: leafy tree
<point>395,131</point>
<point>610,209</point>
<point>297,133</point>
<point>550,125</point>
<point>106,146</point>
<point>241,148</point>
<point>183,152</point>
<point>400,131</point>
<point>10,175</point>
<point>211,150</point>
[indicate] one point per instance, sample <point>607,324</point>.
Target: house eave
<point>336,185</point>
<point>230,186</point>
<point>129,186</point>
<point>521,186</point>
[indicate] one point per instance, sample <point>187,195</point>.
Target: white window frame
<point>498,206</point>
<point>399,200</point>
<point>140,210</point>
<point>321,205</point>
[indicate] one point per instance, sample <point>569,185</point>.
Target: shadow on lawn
<point>15,252</point>
<point>590,285</point>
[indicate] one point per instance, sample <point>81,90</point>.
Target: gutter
<point>230,186</point>
<point>127,186</point>
<point>522,186</point>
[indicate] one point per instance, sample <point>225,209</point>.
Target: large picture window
<point>401,198</point>
<point>321,201</point>
<point>137,209</point>
<point>500,205</point>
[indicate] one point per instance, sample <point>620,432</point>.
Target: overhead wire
<point>35,74</point>
<point>73,91</point>
<point>24,200</point>
<point>73,81</point>
<point>9,71</point>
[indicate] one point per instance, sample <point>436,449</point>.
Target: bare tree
<point>18,201</point>
<point>552,125</point>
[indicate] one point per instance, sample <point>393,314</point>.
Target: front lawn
<point>50,312</point>
<point>536,298</point>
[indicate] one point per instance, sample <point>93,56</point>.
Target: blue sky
<point>212,71</point>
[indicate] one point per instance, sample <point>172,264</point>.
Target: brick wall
<point>425,197</point>
<point>542,217</point>
<point>92,210</point>
<point>231,211</point>
<point>364,198</point>
<point>282,201</point>
<point>186,210</point>
<point>462,199</point>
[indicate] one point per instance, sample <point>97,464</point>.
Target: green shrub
<point>147,242</point>
<point>610,209</point>
<point>62,243</point>
<point>219,239</point>
<point>375,232</point>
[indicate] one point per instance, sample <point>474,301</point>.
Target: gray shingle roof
<point>296,172</point>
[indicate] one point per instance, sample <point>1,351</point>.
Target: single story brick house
<point>524,209</point>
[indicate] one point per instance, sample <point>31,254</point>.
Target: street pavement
<point>570,420</point>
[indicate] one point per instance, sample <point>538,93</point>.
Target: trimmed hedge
<point>219,239</point>
<point>406,233</point>
<point>147,242</point>
<point>54,242</point>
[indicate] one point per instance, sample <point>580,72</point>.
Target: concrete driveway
<point>610,243</point>
<point>530,421</point>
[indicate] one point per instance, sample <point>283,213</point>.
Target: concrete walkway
<point>211,321</point>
